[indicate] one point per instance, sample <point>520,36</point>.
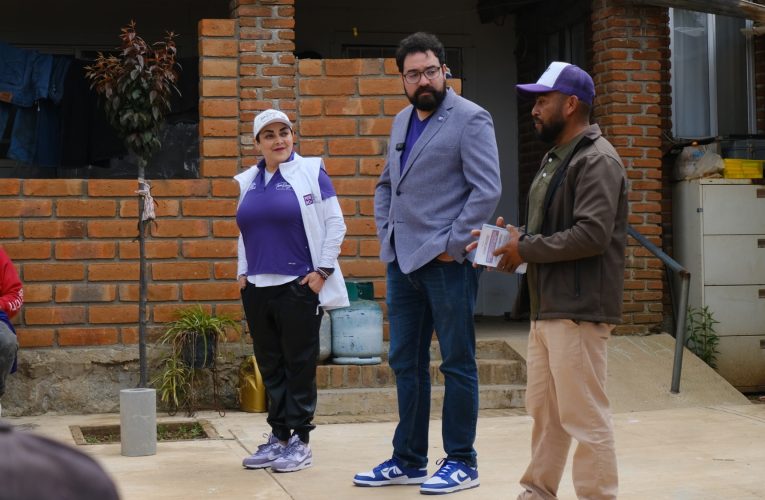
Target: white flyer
<point>492,238</point>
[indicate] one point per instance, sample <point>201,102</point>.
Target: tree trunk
<point>142,279</point>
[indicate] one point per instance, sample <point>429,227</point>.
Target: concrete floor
<point>683,453</point>
<point>708,442</point>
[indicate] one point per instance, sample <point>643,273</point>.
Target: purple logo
<point>308,199</point>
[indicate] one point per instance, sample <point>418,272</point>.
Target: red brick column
<point>266,63</point>
<point>219,98</point>
<point>631,73</point>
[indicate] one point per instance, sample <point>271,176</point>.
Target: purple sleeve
<point>325,185</point>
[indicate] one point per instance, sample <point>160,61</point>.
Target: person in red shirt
<point>11,298</point>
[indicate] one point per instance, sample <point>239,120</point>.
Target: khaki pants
<point>566,396</point>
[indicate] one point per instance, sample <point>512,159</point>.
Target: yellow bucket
<point>252,391</point>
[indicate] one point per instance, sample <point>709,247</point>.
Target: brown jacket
<point>580,251</point>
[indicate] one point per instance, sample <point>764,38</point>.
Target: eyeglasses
<point>414,76</point>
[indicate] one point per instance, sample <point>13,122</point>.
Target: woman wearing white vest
<point>291,228</point>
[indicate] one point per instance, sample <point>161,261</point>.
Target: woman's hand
<point>242,281</point>
<point>314,280</point>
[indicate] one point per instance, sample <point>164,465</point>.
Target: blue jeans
<point>440,296</point>
<point>8,348</point>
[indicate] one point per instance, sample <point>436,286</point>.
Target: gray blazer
<point>450,185</point>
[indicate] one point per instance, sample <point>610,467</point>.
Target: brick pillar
<point>266,64</point>
<point>218,103</point>
<point>631,73</point>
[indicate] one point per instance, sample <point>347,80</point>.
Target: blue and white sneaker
<point>452,476</point>
<point>391,472</point>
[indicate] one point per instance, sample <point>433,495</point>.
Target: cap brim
<point>531,89</point>
<point>271,122</point>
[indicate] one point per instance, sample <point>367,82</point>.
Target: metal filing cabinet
<point>719,236</point>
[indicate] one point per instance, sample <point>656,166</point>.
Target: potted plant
<point>193,339</point>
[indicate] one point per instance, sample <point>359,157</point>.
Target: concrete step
<point>372,401</point>
<point>490,371</point>
<point>371,389</point>
<point>484,349</point>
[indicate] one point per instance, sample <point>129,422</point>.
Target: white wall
<point>488,79</point>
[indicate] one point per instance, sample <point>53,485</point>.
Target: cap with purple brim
<point>561,77</point>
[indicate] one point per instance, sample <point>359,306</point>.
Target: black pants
<point>284,325</point>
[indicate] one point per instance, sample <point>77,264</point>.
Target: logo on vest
<point>308,199</point>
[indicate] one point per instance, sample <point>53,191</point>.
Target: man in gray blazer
<point>441,179</point>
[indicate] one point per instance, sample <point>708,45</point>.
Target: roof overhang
<point>732,8</point>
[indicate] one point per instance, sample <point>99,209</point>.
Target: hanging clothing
<point>32,83</point>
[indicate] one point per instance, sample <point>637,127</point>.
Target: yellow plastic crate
<point>737,168</point>
<point>752,168</point>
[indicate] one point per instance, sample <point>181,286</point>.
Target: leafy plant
<point>136,86</point>
<point>700,335</point>
<point>173,383</point>
<point>193,327</point>
<point>196,325</point>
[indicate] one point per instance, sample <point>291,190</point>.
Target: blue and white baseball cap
<point>562,77</point>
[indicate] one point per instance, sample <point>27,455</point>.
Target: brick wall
<point>346,108</point>
<point>631,73</point>
<point>218,98</point>
<point>72,242</point>
<point>266,64</point>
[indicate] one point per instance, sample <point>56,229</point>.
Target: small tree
<point>136,86</point>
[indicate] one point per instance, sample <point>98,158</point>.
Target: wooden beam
<point>732,8</point>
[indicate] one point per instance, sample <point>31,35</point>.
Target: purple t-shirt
<point>271,224</point>
<point>413,132</point>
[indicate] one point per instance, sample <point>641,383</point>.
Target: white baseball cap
<point>268,117</point>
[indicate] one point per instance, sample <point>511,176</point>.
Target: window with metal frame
<point>712,75</point>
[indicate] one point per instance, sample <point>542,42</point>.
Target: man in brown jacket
<point>573,242</point>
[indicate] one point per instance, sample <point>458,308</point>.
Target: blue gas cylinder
<point>357,330</point>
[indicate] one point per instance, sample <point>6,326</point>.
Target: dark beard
<point>550,132</point>
<point>427,102</point>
